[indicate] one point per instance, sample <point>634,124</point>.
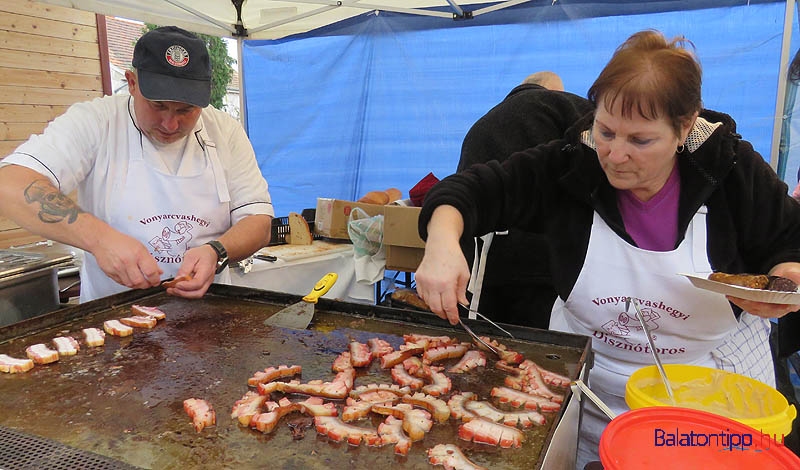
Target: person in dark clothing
<point>516,285</point>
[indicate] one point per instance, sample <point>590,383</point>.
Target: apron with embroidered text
<point>689,325</point>
<point>168,214</point>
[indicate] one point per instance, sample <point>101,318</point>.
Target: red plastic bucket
<point>667,438</point>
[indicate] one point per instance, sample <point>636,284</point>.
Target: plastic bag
<point>366,232</point>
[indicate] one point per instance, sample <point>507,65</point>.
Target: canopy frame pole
<point>459,11</point>
<point>240,65</point>
<point>201,15</point>
<point>366,6</point>
<point>788,18</point>
<point>498,6</point>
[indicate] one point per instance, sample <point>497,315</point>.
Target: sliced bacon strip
<point>518,398</point>
<point>379,347</point>
<point>430,341</point>
<point>441,353</point>
<point>531,381</point>
<point>114,327</point>
<point>456,405</point>
<point>441,383</point>
<point>486,432</point>
<point>66,345</point>
<point>507,355</point>
<point>437,407</point>
<point>415,422</point>
<point>503,365</point>
<point>139,321</point>
<point>94,337</point>
<point>272,373</point>
<point>248,406</point>
<point>509,418</point>
<point>361,390</point>
<point>316,406</point>
<point>451,457</point>
<point>391,432</point>
<point>339,387</point>
<point>201,413</point>
<point>413,365</point>
<point>405,351</point>
<point>338,431</point>
<point>402,377</point>
<point>342,362</point>
<point>548,377</point>
<point>360,355</point>
<point>148,311</point>
<point>176,280</point>
<point>41,354</point>
<point>266,422</point>
<point>11,365</point>
<point>356,409</point>
<point>471,360</point>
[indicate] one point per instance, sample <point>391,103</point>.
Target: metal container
<point>28,284</point>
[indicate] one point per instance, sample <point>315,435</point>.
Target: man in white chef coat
<point>160,161</point>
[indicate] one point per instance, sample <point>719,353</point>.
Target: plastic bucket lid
<point>667,438</point>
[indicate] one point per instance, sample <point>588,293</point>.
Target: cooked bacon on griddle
<point>396,357</point>
<point>342,362</point>
<point>356,409</point>
<point>441,353</point>
<point>441,383</point>
<point>316,406</point>
<point>437,407</point>
<point>507,355</point>
<point>266,422</point>
<point>486,432</point>
<point>429,341</point>
<point>360,391</point>
<point>509,418</point>
<point>415,422</point>
<point>451,457</point>
<point>391,432</point>
<point>402,377</point>
<point>379,347</point>
<point>530,381</point>
<point>338,431</point>
<point>201,413</point>
<point>360,355</point>
<point>413,365</point>
<point>148,311</point>
<point>529,401</point>
<point>471,360</point>
<point>272,373</point>
<point>139,321</point>
<point>456,405</point>
<point>503,365</point>
<point>94,337</point>
<point>11,365</point>
<point>248,406</point>
<point>114,327</point>
<point>339,387</point>
<point>41,354</point>
<point>549,377</point>
<point>66,345</point>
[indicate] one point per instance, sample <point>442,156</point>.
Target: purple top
<point>653,225</point>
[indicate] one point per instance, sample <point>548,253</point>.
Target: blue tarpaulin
<point>380,100</point>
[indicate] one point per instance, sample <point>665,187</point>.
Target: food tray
<point>747,293</point>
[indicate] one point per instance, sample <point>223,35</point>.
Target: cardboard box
<point>332,216</point>
<point>404,247</point>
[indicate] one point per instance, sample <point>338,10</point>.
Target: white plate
<point>748,293</point>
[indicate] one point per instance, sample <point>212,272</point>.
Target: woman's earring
<point>681,148</point>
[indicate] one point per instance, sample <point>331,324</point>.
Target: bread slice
<point>394,194</point>
<point>299,233</point>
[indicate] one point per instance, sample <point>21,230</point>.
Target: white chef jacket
<point>89,148</point>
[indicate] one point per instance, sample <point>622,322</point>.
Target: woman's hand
<point>766,310</point>
<point>443,274</point>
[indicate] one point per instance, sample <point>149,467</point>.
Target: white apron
<point>689,325</point>
<point>169,214</point>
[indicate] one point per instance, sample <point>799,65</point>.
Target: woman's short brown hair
<point>653,76</point>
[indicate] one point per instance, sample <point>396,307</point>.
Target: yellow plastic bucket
<point>723,393</point>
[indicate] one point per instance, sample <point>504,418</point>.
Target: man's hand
<point>125,260</point>
<point>200,263</point>
<point>765,310</point>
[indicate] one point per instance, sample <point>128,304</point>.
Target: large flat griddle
<point>124,400</point>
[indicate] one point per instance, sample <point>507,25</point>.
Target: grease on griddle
<point>299,425</point>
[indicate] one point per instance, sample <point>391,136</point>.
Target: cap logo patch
<point>177,56</point>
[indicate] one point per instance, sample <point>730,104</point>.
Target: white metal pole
<point>240,64</point>
<point>788,18</point>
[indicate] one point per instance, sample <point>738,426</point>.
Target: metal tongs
<point>628,302</point>
<point>475,337</point>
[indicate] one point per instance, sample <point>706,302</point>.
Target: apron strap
<point>216,166</point>
<point>699,249</point>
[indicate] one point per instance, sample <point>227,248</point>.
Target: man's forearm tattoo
<point>55,206</point>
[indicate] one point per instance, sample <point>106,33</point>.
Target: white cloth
<point>688,324</point>
<point>90,148</point>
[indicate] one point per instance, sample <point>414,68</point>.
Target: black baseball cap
<point>173,65</point>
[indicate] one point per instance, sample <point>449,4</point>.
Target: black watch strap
<point>222,255</point>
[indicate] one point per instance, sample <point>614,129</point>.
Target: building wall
<point>49,59</point>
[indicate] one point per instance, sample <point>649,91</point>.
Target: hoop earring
<point>681,148</point>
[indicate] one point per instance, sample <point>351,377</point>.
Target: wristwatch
<point>222,255</point>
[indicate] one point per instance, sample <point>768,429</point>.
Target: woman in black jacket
<point>652,185</point>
